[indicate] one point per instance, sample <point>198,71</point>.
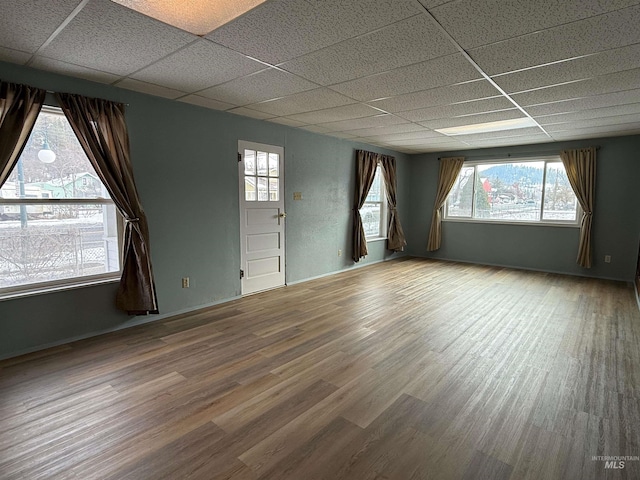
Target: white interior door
<point>261,216</point>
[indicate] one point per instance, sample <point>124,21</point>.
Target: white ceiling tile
<point>596,34</point>
<point>430,149</point>
<point>288,122</point>
<point>111,38</point>
<point>604,129</point>
<point>449,94</point>
<point>200,65</point>
<point>473,23</point>
<point>14,56</point>
<point>26,24</point>
<point>280,30</point>
<point>346,135</point>
<point>43,63</point>
<point>473,119</point>
<point>421,76</point>
<point>603,63</point>
<point>336,114</point>
<point>578,62</point>
<point>370,141</point>
<point>387,130</point>
<point>366,122</point>
<point>593,133</point>
<point>317,99</point>
<point>505,142</point>
<point>434,3</point>
<point>594,113</point>
<point>615,82</point>
<point>457,109</point>
<point>247,112</point>
<point>408,151</point>
<point>257,87</point>
<point>602,122</point>
<point>316,128</point>
<point>149,88</point>
<point>586,103</point>
<point>413,40</point>
<point>443,143</point>
<point>206,102</point>
<point>395,137</point>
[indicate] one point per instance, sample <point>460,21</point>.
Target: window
<point>261,176</point>
<point>374,210</point>
<point>58,225</point>
<point>530,191</point>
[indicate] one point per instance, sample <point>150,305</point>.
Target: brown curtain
<point>449,171</point>
<point>366,163</point>
<point>101,129</point>
<point>395,236</point>
<point>581,170</point>
<point>19,109</point>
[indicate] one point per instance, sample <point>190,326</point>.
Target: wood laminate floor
<point>409,369</point>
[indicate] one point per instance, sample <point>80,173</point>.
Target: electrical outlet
<point>185,282</point>
<point>607,259</point>
<point>339,252</point>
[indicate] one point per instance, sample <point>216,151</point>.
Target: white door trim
<point>262,216</point>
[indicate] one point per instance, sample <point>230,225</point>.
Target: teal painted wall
<point>616,223</point>
<point>184,160</point>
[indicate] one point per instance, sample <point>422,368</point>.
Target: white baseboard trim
<point>517,267</point>
<point>154,318</point>
<point>141,320</point>
<point>347,269</point>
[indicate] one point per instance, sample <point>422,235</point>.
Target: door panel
<point>262,241</point>
<point>263,266</point>
<point>261,216</point>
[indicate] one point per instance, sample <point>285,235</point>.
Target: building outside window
<point>374,210</point>
<point>58,225</point>
<point>521,190</point>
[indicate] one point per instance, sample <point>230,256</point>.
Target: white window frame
<point>36,288</point>
<point>546,222</point>
<point>384,210</point>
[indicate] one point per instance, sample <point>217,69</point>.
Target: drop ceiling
<point>384,72</point>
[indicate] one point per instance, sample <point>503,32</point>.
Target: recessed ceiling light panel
<point>524,122</point>
<point>196,16</point>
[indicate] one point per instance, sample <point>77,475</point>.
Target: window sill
<point>376,239</point>
<point>513,222</point>
<point>29,292</point>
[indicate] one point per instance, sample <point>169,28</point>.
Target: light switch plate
<point>297,195</point>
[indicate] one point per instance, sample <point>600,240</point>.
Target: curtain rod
<point>53,93</point>
<point>514,155</point>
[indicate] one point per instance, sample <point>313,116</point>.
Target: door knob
<point>282,215</point>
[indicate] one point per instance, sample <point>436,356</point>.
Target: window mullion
<point>473,192</point>
<point>544,190</point>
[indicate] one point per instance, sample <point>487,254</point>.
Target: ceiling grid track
<point>480,70</point>
<point>58,30</point>
<point>413,75</point>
